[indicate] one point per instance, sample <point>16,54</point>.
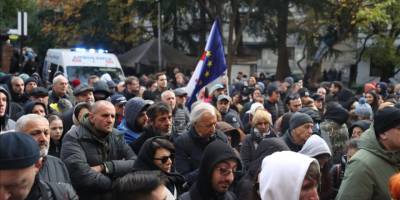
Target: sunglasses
<point>165,159</point>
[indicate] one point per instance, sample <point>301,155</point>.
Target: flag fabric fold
<point>211,65</point>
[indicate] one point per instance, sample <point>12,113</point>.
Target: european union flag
<point>210,66</point>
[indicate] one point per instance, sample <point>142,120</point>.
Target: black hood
<point>314,114</point>
<point>132,109</point>
<point>265,148</point>
<point>4,91</point>
<point>336,113</point>
<point>144,160</point>
<point>216,152</point>
<point>28,106</point>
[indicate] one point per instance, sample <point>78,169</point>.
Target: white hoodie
<point>315,146</point>
<point>282,175</point>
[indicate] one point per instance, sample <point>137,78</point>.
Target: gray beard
<point>44,152</point>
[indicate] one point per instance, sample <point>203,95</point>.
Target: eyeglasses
<point>165,159</point>
<point>208,126</point>
<point>225,171</point>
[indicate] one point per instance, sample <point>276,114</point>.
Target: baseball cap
<point>118,99</point>
<point>82,88</point>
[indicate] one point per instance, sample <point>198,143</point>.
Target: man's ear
<point>90,116</point>
<point>383,136</point>
<point>39,164</point>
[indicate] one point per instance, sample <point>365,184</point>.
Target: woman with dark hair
<point>157,153</point>
<point>56,130</point>
<point>373,100</point>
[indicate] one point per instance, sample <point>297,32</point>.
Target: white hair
<point>20,126</point>
<point>164,94</point>
<point>199,109</point>
<point>25,119</point>
<point>58,79</point>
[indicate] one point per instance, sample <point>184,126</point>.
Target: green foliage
<point>9,10</point>
<point>383,51</point>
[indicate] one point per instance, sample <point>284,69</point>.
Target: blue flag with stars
<point>211,65</point>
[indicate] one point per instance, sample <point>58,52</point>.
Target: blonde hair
<point>261,114</point>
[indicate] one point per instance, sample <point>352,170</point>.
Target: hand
<point>98,168</point>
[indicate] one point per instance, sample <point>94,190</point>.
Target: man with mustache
<point>53,169</point>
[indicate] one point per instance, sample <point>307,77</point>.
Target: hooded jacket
<point>368,172</point>
<point>215,153</point>
<point>28,107</point>
<point>145,162</point>
<point>336,113</point>
<point>315,146</point>
<point>6,123</point>
<point>282,175</point>
<point>128,125</point>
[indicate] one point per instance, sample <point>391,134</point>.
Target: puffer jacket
<point>82,149</point>
<point>368,172</point>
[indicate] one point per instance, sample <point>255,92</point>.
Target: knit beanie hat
<point>386,119</point>
<point>369,87</point>
<point>299,119</point>
<point>17,151</point>
<point>363,109</point>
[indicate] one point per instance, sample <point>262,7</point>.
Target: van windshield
<point>83,72</point>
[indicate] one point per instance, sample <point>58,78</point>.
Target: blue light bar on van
<point>89,50</point>
<point>79,50</point>
<point>101,51</point>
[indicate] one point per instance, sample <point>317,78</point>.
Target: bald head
<point>102,116</point>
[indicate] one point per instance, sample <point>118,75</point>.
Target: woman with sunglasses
<point>157,153</point>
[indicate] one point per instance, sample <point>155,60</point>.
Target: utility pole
<point>159,36</point>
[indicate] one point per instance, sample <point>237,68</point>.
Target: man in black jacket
<point>217,172</point>
<point>189,147</point>
<point>96,154</point>
<point>19,166</point>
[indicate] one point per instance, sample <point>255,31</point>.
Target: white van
<point>80,63</point>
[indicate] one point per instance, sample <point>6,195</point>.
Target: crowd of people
<point>252,139</point>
